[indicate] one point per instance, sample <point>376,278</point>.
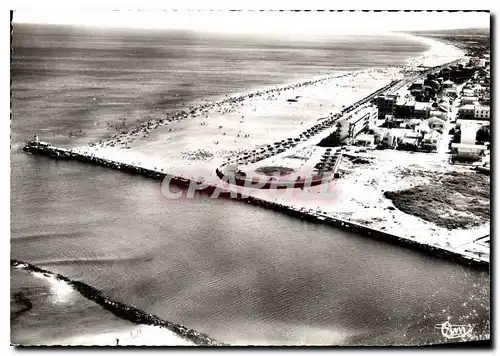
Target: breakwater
<point>47,150</point>
<point>370,232</point>
<point>121,310</point>
<point>289,210</point>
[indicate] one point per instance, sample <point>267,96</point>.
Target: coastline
<point>151,331</point>
<point>158,149</point>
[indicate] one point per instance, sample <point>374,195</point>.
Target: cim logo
<point>451,331</point>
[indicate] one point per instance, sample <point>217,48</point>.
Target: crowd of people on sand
<point>124,137</point>
<point>226,105</point>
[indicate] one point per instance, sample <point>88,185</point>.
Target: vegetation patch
<point>453,200</point>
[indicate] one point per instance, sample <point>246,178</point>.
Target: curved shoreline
<point>411,66</point>
<point>121,310</point>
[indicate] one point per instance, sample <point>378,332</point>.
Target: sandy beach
<point>196,144</point>
<point>244,121</point>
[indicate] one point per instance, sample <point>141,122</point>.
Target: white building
<point>468,100</point>
<point>442,115</point>
<point>421,110</point>
<point>365,140</point>
<point>482,112</point>
<point>394,136</point>
<point>431,141</point>
<point>467,152</point>
<point>352,125</point>
<point>448,84</point>
<point>477,62</point>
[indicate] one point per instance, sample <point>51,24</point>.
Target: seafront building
<point>482,112</point>
<point>466,112</point>
<point>385,105</point>
<point>359,121</point>
<point>416,117</point>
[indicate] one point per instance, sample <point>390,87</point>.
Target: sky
<point>261,22</point>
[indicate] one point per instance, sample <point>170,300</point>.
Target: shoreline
<point>197,107</point>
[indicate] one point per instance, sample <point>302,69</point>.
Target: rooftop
<point>419,105</point>
<point>467,107</point>
<point>467,145</point>
<point>434,119</point>
<point>365,137</point>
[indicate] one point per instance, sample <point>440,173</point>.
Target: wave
<point>43,236</point>
<point>94,261</point>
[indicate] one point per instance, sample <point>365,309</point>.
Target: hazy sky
<point>262,22</point>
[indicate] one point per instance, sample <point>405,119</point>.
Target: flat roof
<point>468,145</point>
<point>420,105</point>
<point>467,107</point>
<point>365,137</point>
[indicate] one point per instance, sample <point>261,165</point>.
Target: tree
<point>483,135</point>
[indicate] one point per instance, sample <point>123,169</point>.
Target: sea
<point>239,273</point>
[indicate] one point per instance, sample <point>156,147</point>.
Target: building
<point>416,88</point>
<point>385,104</point>
<point>417,84</point>
<point>409,141</point>
<point>422,128</point>
<point>448,84</point>
<point>431,141</point>
<point>438,113</point>
<point>481,112</point>
<point>466,112</point>
<point>464,100</point>
<point>467,152</point>
<point>444,107</point>
<point>468,132</point>
<point>352,125</point>
<point>475,123</point>
<point>421,110</point>
<point>393,137</point>
<point>404,108</point>
<point>435,123</point>
<point>477,62</point>
<point>365,140</point>
<point>467,92</point>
